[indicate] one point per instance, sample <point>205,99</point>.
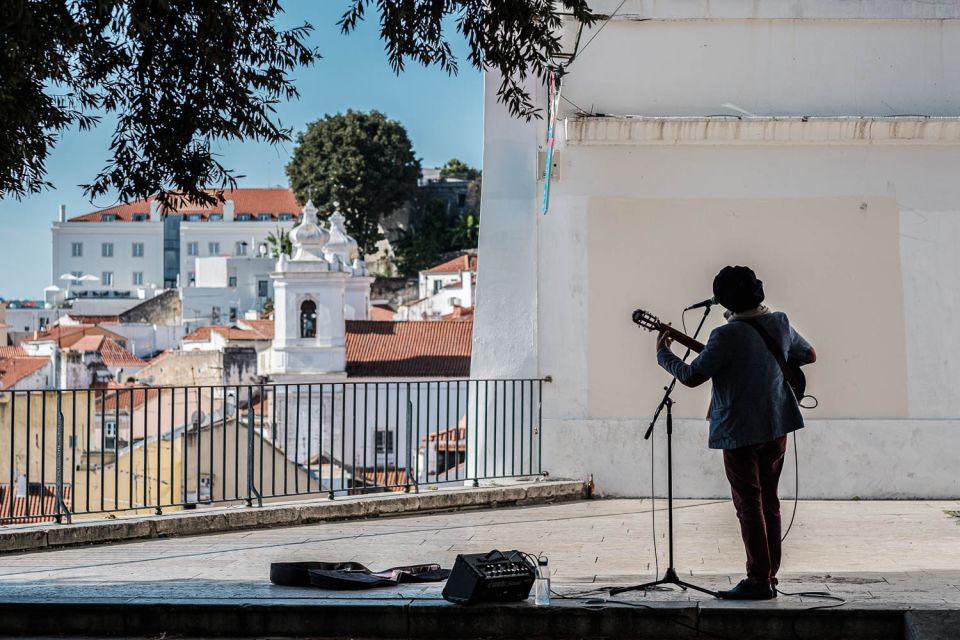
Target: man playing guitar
<point>752,409</point>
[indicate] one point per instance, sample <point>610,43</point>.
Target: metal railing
<point>66,453</point>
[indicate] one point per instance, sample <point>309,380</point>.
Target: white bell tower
<point>309,342</point>
<point>342,253</point>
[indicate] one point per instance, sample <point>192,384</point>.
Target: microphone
<point>709,302</point>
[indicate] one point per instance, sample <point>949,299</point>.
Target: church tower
<point>309,342</point>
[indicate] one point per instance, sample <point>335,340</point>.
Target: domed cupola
<point>309,238</point>
<point>340,245</point>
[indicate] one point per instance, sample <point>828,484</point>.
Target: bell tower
<point>310,334</point>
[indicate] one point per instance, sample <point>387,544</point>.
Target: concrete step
<point>429,619</point>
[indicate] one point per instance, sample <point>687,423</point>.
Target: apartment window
<point>192,278</point>
<point>108,217</point>
<point>264,217</point>
<point>139,217</point>
<point>241,248</point>
<point>194,217</point>
<point>384,441</point>
<point>106,249</point>
<point>285,217</point>
<point>193,248</point>
<point>232,282</point>
<point>262,290</point>
<point>244,217</point>
<point>215,315</point>
<point>437,285</point>
<point>213,248</point>
<point>76,249</point>
<point>110,435</point>
<point>461,199</point>
<point>233,314</point>
<point>137,278</point>
<point>137,249</point>
<point>77,274</point>
<point>216,217</point>
<point>106,278</point>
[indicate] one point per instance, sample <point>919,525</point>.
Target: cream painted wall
<point>832,264</point>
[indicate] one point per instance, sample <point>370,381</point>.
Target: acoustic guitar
<point>790,367</point>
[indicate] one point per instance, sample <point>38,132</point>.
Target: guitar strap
<point>775,350</point>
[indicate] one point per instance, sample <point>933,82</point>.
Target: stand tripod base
<point>669,577</point>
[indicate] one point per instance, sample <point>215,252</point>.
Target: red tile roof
<point>272,200</point>
<point>13,370</point>
<point>121,396</point>
<point>452,439</point>
<point>417,349</point>
<point>263,326</point>
<point>466,262</point>
<point>39,505</point>
<point>66,335</point>
<point>259,330</point>
<point>12,352</point>
<point>394,480</point>
<point>112,353</point>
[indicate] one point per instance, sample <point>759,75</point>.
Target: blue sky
<point>443,115</point>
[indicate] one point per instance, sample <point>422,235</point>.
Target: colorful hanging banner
<point>553,107</point>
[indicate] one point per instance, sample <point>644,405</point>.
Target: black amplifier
<point>497,576</point>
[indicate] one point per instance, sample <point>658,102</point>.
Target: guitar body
<point>648,321</point>
<point>799,382</point>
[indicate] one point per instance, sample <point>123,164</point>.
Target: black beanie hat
<point>738,289</point>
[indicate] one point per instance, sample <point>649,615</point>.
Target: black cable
<point>610,17</point>
<point>796,487</point>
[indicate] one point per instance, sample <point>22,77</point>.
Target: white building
<point>224,289</point>
<point>444,290</point>
<point>113,253</point>
<point>816,141</point>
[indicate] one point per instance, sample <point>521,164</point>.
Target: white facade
<point>847,209</point>
<point>122,256</point>
<point>440,294</point>
<point>225,288</point>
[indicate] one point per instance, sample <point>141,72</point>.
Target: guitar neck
<point>684,339</point>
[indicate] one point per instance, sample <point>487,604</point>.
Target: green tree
<point>459,170</point>
<point>420,245</point>
<point>361,163</point>
<point>278,242</point>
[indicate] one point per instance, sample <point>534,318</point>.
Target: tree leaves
<point>180,74</point>
<point>515,37</point>
<point>362,163</point>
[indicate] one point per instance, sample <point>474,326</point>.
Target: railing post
<point>62,509</point>
<point>251,489</point>
<point>409,443</point>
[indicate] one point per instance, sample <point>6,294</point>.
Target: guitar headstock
<point>646,320</point>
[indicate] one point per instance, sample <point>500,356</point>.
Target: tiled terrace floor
<point>873,554</point>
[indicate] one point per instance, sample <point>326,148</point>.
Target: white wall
<point>546,323</point>
<point>123,265</point>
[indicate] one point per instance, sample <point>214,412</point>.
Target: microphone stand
<point>670,575</point>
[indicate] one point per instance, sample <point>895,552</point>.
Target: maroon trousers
<point>754,473</point>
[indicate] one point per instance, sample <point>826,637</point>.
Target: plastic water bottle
<point>541,587</point>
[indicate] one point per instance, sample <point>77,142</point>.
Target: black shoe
<point>746,590</point>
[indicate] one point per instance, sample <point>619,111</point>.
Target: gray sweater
<point>751,401</point>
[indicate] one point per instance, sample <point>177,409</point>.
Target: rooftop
<point>466,262</point>
<point>112,353</point>
<point>271,200</point>
<point>409,349</point>
<point>15,369</point>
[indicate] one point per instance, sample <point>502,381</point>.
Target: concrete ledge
<point>431,618</point>
<point>287,514</point>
